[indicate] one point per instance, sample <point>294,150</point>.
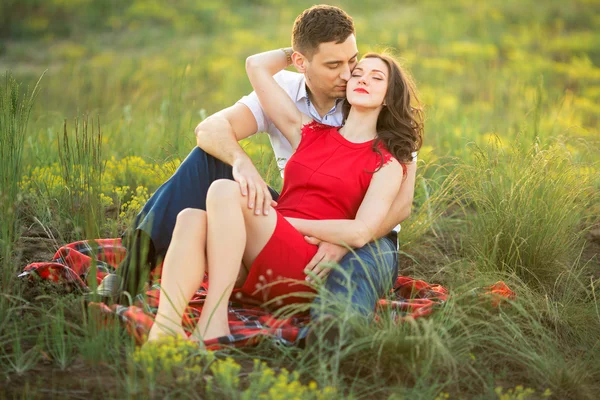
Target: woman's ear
<point>299,62</point>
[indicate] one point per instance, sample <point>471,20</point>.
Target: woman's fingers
<point>312,240</point>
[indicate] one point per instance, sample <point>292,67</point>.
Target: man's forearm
<point>215,136</point>
<point>218,136</point>
<point>399,211</point>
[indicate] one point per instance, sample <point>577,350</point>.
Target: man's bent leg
<point>363,278</point>
<point>152,230</point>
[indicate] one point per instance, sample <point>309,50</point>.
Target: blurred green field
<point>521,73</point>
<point>508,184</point>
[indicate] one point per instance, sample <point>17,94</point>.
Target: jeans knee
<point>196,157</point>
<point>199,169</point>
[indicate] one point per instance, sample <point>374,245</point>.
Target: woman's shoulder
<point>386,157</point>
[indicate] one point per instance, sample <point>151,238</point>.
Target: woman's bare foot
<point>214,330</point>
<point>162,327</point>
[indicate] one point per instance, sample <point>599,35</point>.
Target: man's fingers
<point>274,203</point>
<point>314,273</point>
<point>243,186</point>
<point>313,263</point>
<point>267,201</point>
<point>324,272</point>
<point>251,194</point>
<point>320,270</point>
<point>260,198</point>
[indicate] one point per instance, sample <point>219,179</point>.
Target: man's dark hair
<point>320,24</point>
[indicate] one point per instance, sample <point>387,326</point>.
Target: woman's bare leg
<point>183,272</point>
<point>226,246</point>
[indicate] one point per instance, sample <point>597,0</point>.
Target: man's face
<point>331,67</point>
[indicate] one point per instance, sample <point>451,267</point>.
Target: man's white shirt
<point>295,86</point>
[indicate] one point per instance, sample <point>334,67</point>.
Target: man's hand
<point>253,186</point>
<point>327,253</point>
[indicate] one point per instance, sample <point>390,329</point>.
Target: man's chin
<point>338,94</point>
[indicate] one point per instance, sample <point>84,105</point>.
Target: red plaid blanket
<point>410,298</point>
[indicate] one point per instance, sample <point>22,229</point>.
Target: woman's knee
<point>223,190</point>
<point>191,219</point>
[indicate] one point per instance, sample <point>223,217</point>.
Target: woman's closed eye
<point>375,77</point>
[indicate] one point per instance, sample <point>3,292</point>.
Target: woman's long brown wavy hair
<point>400,122</point>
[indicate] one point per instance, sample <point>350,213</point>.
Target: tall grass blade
<point>15,108</point>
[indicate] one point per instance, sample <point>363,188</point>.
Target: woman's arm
<point>275,101</point>
<point>402,205</point>
<point>372,212</point>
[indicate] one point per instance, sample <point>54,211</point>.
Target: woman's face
<point>368,85</point>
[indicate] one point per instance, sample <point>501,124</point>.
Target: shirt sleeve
<point>251,101</point>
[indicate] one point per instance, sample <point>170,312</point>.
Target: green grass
<point>15,109</point>
<point>528,205</point>
<point>82,169</point>
<point>507,189</point>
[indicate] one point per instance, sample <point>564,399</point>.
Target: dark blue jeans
<point>361,279</point>
<point>364,276</point>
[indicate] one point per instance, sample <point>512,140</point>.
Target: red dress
<point>327,177</point>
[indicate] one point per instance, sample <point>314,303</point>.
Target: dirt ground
<point>81,380</point>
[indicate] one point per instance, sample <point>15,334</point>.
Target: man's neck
<point>322,104</point>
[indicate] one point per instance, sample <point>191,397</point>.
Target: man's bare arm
<point>401,207</point>
<point>218,135</point>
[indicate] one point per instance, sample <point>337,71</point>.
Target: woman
<point>338,187</point>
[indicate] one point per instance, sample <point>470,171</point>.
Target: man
<point>324,53</point>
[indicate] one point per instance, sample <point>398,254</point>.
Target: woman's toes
<point>215,332</point>
<point>158,330</point>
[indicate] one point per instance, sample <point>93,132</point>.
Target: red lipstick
<point>361,90</point>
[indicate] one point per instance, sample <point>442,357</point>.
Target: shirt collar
<point>303,95</point>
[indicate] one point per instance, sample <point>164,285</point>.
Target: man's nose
<point>346,73</point>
